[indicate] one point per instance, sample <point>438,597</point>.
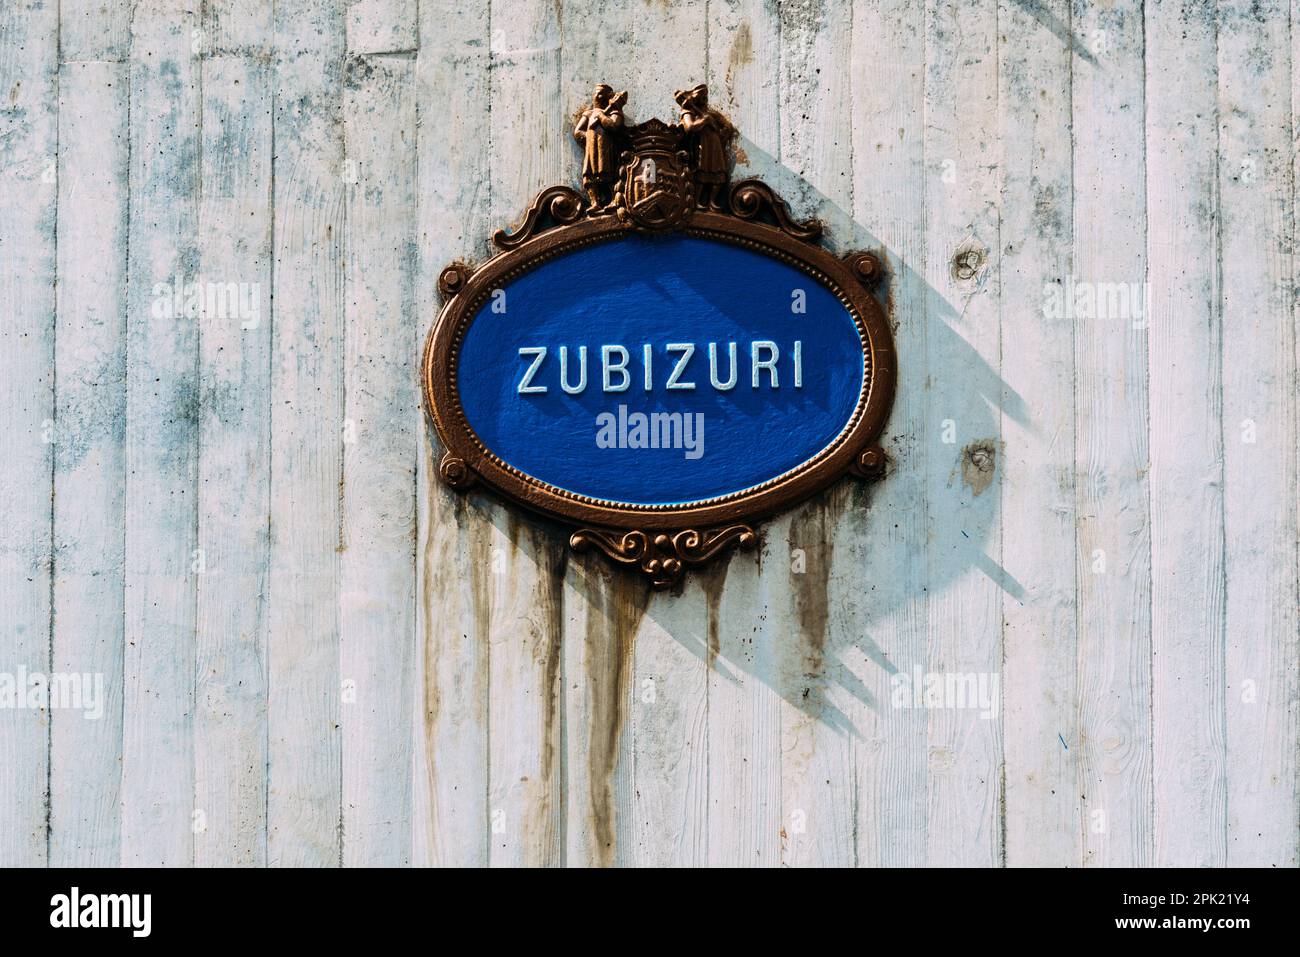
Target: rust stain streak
<point>712,580</point>
<point>547,626</point>
<point>479,559</point>
<point>611,643</point>
<point>432,699</point>
<point>812,531</point>
<point>741,54</point>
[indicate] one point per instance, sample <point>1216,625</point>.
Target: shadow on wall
<point>837,600</point>
<point>842,596</point>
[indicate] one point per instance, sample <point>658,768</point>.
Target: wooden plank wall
<point>311,653</point>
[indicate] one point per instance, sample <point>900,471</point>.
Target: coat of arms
<point>655,186</point>
<point>654,173</point>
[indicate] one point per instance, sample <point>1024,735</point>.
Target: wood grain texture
<point>1256,188</point>
<point>1041,812</point>
<point>1186,362</point>
<point>304,767</point>
<point>888,611</point>
<point>669,706</point>
<point>94,30</point>
<point>234,476</point>
<point>742,626</point>
<point>161,577</point>
<point>88,530</point>
<point>966,579</point>
<point>1112,458</point>
<point>377,566</point>
<point>523,563</point>
<point>313,653</point>
<point>450,778</point>
<point>820,714</point>
<point>603,616</point>
<point>29,70</point>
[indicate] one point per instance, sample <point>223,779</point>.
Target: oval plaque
<point>661,361</point>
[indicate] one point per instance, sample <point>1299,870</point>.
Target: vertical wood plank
<point>382,26</point>
<point>526,129</point>
<point>743,628</point>
<point>161,440</point>
<point>964,573</point>
<point>671,660</point>
<point>235,27</point>
<point>604,608</point>
<point>1186,377</point>
<point>89,459</point>
<point>1256,189</point>
<point>1293,721</point>
<point>29,70</point>
<point>1112,456</point>
<point>234,238</point>
<point>450,779</point>
<point>887,561</point>
<point>670,731</point>
<point>94,30</point>
<point>1042,816</point>
<point>820,714</point>
<point>377,573</point>
<point>304,819</point>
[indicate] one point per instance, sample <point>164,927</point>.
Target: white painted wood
<point>1040,815</point>
<point>671,658</point>
<point>1072,507</point>
<point>523,561</point>
<point>161,441</point>
<point>1113,617</point>
<point>603,616</point>
<point>1291,729</point>
<point>235,27</point>
<point>377,572</point>
<point>382,26</point>
<point>1186,375</point>
<point>94,30</point>
<point>886,611</point>
<point>1256,190</point>
<point>742,628</point>
<point>669,708</point>
<point>28,196</point>
<point>965,579</point>
<point>85,769</point>
<point>450,778</point>
<point>636,667</point>
<point>234,239</point>
<point>820,712</point>
<point>304,800</point>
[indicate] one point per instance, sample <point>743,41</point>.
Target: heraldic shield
<point>655,182</point>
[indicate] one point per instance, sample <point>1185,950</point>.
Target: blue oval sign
<point>660,370</point>
<point>662,358</point>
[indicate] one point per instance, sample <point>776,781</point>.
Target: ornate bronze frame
<point>659,540</point>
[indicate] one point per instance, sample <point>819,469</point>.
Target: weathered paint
<point>314,654</point>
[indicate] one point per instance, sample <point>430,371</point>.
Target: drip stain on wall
<point>618,608</point>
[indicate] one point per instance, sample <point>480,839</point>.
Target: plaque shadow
<point>834,613</point>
